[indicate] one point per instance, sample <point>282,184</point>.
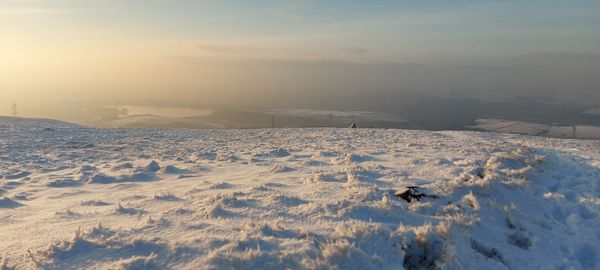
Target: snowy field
<point>530,128</point>
<point>80,198</point>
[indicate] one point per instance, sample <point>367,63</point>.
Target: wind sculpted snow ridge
<point>80,198</point>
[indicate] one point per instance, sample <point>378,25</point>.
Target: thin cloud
<point>293,8</point>
<point>227,49</point>
<point>360,51</point>
<point>32,11</point>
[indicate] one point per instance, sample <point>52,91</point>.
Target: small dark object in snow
<point>480,172</point>
<point>413,192</point>
<point>353,125</point>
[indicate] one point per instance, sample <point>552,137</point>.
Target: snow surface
<point>82,198</point>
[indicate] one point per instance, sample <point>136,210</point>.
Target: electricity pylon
<point>15,112</point>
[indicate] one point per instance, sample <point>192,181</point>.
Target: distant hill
<point>35,122</point>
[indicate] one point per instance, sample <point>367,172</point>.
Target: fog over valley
<point>558,89</point>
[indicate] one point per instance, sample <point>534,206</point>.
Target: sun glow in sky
<point>57,50</point>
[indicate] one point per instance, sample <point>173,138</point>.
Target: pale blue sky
<point>348,30</point>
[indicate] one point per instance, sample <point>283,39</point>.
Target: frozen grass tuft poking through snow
<point>295,199</point>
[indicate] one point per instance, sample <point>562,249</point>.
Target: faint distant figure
<point>15,111</point>
<point>353,125</point>
<point>272,120</point>
<point>123,112</point>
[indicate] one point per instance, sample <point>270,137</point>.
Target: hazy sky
<point>57,51</point>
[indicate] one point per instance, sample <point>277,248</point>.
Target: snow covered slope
<point>21,122</point>
<point>152,121</point>
<point>82,198</point>
<point>530,128</point>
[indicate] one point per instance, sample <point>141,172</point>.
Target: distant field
<point>506,126</point>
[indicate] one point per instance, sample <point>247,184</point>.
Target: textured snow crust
<point>80,198</point>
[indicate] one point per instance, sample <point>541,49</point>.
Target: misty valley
<point>522,116</point>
